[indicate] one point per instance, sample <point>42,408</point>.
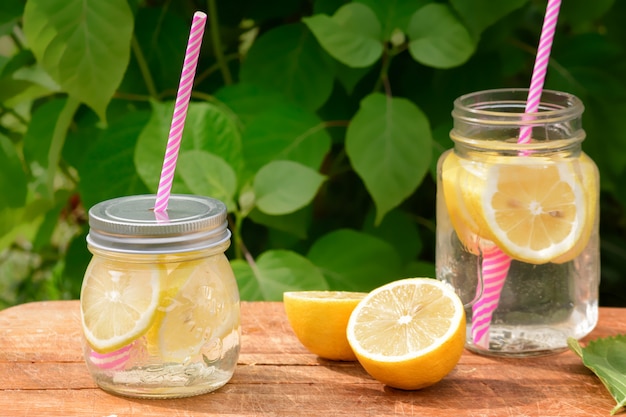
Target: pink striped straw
<point>541,65</point>
<point>180,111</point>
<point>495,264</point>
<point>495,267</point>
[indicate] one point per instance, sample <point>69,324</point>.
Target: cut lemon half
<point>118,306</point>
<point>319,320</point>
<point>408,334</point>
<point>203,311</point>
<point>534,209</point>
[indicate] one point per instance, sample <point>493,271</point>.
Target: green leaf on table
<point>389,145</point>
<point>287,59</point>
<point>275,272</point>
<point>84,46</point>
<point>606,357</point>
<point>282,187</point>
<point>437,38</point>
<point>352,35</point>
<point>478,15</point>
<point>208,175</point>
<point>393,14</point>
<point>12,177</point>
<point>208,127</point>
<point>107,170</point>
<point>355,261</point>
<point>285,133</point>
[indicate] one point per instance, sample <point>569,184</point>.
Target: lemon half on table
<point>319,320</point>
<point>408,334</point>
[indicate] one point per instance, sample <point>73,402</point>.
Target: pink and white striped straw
<point>180,111</point>
<point>541,65</point>
<point>495,264</point>
<point>495,267</point>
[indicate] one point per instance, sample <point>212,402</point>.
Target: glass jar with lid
<point>159,301</point>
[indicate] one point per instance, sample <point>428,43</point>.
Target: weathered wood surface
<point>42,374</point>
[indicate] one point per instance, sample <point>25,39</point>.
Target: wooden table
<point>43,374</point>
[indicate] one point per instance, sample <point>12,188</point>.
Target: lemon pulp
<point>410,333</point>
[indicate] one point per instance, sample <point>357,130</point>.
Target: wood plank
<point>44,375</point>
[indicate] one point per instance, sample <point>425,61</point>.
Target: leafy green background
<point>318,123</point>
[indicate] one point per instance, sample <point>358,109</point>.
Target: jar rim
<point>130,225</point>
<point>481,107</point>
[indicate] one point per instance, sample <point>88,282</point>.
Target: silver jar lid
<point>130,225</point>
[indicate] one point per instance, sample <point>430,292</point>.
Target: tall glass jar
<point>517,224</point>
<point>159,301</point>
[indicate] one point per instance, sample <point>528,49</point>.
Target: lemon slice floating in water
<point>118,306</point>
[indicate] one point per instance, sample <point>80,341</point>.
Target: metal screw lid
<point>130,225</point>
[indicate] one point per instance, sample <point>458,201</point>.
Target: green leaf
<point>352,35</point>
<point>480,14</point>
<point>248,100</point>
<point>83,45</point>
<point>437,37</point>
<point>296,223</point>
<point>399,230</point>
<point>579,12</point>
<point>349,77</point>
<point>389,145</point>
<point>12,176</point>
<point>208,127</point>
<point>282,187</point>
<point>10,10</point>
<point>394,14</point>
<point>355,261</point>
<point>249,289</point>
<point>209,175</point>
<point>108,170</point>
<point>287,59</point>
<point>277,271</point>
<point>606,357</point>
<point>285,133</point>
<point>38,137</point>
<point>162,42</point>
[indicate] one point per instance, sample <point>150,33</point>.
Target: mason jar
<point>159,302</point>
<point>517,223</point>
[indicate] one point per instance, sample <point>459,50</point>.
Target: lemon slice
<point>533,209</point>
<point>587,171</point>
<point>408,334</point>
<point>319,320</point>
<point>203,311</point>
<point>118,306</point>
<point>455,175</point>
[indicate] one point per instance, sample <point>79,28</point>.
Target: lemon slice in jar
<point>587,171</point>
<point>118,306</point>
<point>408,334</point>
<point>204,310</point>
<point>534,209</point>
<point>456,176</point>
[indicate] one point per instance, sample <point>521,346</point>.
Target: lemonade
<point>517,225</point>
<point>159,302</point>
